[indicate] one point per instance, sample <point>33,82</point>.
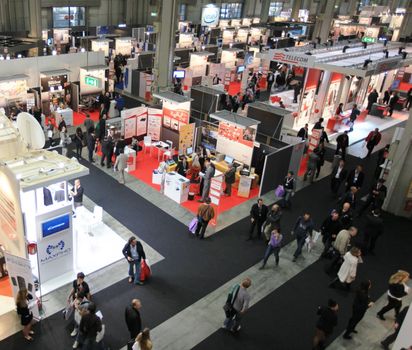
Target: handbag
<point>228,307</point>
<point>145,271</point>
<point>193,225</point>
<point>280,191</point>
<point>67,312</point>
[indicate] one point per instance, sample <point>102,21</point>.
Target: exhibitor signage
<point>210,16</point>
<point>292,58</point>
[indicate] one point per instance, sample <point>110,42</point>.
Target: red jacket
<point>378,137</point>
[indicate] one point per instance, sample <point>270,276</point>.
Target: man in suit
<point>350,197</point>
<point>373,138</point>
<point>342,142</point>
<point>270,79</point>
<point>338,175</point>
<point>230,178</point>
<point>133,319</point>
<point>134,253</point>
<point>258,215</point>
<point>373,229</point>
<point>355,178</point>
<point>375,197</point>
<point>207,178</point>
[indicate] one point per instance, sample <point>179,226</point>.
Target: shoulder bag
<point>228,307</point>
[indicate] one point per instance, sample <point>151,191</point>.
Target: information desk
<point>67,115</point>
<point>176,187</point>
<point>222,166</point>
<point>334,123</point>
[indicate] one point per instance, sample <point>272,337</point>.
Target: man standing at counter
<point>77,194</point>
<point>207,178</point>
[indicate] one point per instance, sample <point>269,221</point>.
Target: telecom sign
<point>368,39</point>
<point>210,16</point>
<point>292,58</point>
<point>92,81</point>
<point>55,225</point>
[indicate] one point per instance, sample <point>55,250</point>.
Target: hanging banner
<point>141,123</point>
<point>186,137</point>
<point>21,277</point>
<point>154,123</point>
<point>175,114</point>
<point>297,59</point>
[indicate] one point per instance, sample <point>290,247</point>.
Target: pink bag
<point>193,225</point>
<point>280,191</point>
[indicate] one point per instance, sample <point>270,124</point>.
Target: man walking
<point>133,319</point>
<point>342,142</point>
<point>353,116</point>
<point>376,196</point>
<point>121,165</point>
<point>355,178</point>
<point>134,253</point>
<point>240,304</point>
<point>270,79</point>
<point>373,229</point>
<point>373,138</point>
<point>338,176</point>
<point>207,179</point>
<point>303,228</point>
<point>205,213</point>
<point>312,165</point>
<point>258,215</point>
<point>328,319</point>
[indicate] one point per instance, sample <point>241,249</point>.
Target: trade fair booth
<point>46,245</point>
<point>101,45</point>
<point>123,46</point>
<point>13,91</point>
<point>331,78</point>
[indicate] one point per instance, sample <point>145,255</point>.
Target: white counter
<point>176,187</point>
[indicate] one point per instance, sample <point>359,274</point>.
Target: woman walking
<point>22,303</point>
<point>348,270</point>
<point>397,290</point>
<point>361,304</point>
<point>143,341</point>
<point>274,245</point>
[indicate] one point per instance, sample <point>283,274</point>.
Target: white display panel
<point>101,45</point>
<point>210,16</point>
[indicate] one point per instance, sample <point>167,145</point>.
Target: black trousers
<point>253,225</point>
<point>369,241</point>
<point>354,320</point>
<point>90,153</point>
<point>392,304</point>
<point>335,184</point>
<point>201,227</point>
<point>343,149</point>
<point>391,338</point>
<point>79,151</point>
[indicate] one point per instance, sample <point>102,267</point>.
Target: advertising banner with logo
<point>236,142</point>
<point>297,59</point>
<point>308,97</point>
<point>186,137</point>
<point>210,16</point>
<point>21,277</point>
<point>331,96</point>
<point>55,245</point>
<point>154,123</point>
<point>175,114</point>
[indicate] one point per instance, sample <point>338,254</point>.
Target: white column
<point>35,19</point>
<point>326,9</point>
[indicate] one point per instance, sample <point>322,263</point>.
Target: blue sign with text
<point>55,225</point>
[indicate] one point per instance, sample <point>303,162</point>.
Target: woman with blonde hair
<point>143,341</point>
<point>22,304</point>
<point>397,290</point>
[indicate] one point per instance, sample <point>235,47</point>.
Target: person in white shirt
<point>348,270</point>
<point>120,165</point>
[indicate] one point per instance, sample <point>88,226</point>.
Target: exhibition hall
<point>154,155</point>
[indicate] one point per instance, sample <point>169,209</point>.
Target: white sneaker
<point>76,344</point>
<point>74,333</point>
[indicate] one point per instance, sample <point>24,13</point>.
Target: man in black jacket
<point>230,178</point>
<point>398,324</point>
<point>330,228</point>
<point>133,319</point>
<point>375,197</point>
<point>338,175</point>
<point>355,178</point>
<point>372,98</point>
<point>342,142</point>
<point>258,215</point>
<point>328,319</point>
<point>303,133</point>
<point>90,325</point>
<point>303,228</point>
<point>134,253</point>
<point>373,229</point>
<point>346,216</point>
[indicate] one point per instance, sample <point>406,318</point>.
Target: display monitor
<point>179,74</point>
<point>189,151</point>
<point>240,69</point>
<point>228,159</point>
<point>55,225</point>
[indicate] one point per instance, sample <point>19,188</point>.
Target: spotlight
<point>386,53</point>
<point>345,48</point>
<point>308,53</point>
<point>365,64</point>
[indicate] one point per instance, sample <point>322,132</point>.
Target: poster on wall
<point>308,97</point>
<point>353,92</point>
<point>175,114</point>
<point>236,141</point>
<point>21,277</point>
<point>331,96</point>
<point>134,122</point>
<point>154,123</point>
<point>186,137</point>
<point>129,127</point>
